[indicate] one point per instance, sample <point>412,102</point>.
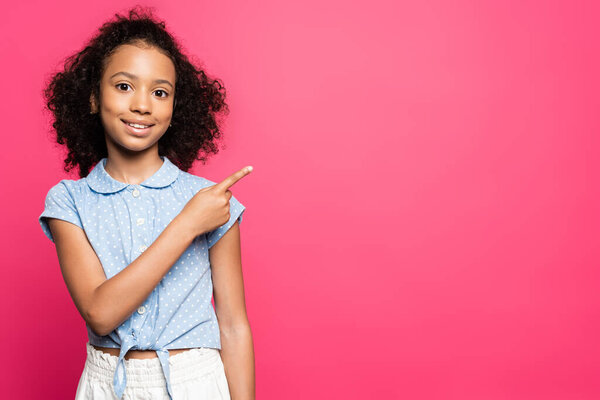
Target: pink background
<point>423,217</point>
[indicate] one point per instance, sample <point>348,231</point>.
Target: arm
<point>237,351</point>
<point>105,303</point>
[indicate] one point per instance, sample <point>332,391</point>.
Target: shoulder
<point>68,188</point>
<point>63,201</point>
<point>194,182</point>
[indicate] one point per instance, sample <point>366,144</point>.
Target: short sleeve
<point>59,204</point>
<point>236,209</point>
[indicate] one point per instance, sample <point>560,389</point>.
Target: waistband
<point>149,372</point>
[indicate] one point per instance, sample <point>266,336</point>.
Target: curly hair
<point>195,124</point>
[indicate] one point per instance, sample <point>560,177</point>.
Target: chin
<point>132,144</point>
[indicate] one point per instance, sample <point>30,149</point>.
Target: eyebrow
<point>131,76</point>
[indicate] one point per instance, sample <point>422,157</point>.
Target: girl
<point>143,244</point>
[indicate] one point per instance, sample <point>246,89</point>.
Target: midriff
<point>137,354</point>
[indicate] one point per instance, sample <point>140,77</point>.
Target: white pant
<point>194,374</point>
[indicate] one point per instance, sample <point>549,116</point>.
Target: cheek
<point>162,119</point>
<point>113,104</point>
<point>164,110</point>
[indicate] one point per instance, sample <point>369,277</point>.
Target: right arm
<point>105,303</point>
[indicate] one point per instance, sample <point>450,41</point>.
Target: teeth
<point>138,126</point>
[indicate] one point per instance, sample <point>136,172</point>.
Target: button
<point>141,310</point>
<point>142,248</point>
<point>135,193</point>
<point>140,221</point>
<point>133,334</point>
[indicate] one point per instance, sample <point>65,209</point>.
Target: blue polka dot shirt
<point>121,220</point>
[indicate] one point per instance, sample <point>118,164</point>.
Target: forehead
<point>143,61</point>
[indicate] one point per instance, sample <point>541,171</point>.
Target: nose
<point>141,102</point>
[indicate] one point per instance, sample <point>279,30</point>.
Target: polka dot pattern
<point>121,221</point>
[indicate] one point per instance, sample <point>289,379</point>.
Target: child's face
<point>137,86</point>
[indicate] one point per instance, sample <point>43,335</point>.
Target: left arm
<point>237,349</point>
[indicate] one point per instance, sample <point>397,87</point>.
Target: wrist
<point>187,226</point>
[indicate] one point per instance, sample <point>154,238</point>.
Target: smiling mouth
<point>137,129</point>
<point>137,126</point>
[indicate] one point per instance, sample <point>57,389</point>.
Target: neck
<point>133,168</point>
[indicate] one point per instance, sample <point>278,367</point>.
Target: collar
<point>100,181</point>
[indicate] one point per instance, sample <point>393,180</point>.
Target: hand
<point>209,208</point>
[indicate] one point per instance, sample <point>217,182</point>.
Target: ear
<point>93,105</point>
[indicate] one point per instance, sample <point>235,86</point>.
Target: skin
<point>106,303</point>
<point>133,159</point>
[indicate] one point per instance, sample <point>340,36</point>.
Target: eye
<point>163,92</point>
<point>119,85</point>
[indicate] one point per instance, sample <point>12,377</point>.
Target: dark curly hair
<point>195,125</point>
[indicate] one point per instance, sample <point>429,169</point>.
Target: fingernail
<point>249,168</point>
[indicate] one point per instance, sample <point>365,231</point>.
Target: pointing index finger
<point>226,183</point>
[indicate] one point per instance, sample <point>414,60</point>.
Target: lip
<point>136,131</point>
<point>137,121</point>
